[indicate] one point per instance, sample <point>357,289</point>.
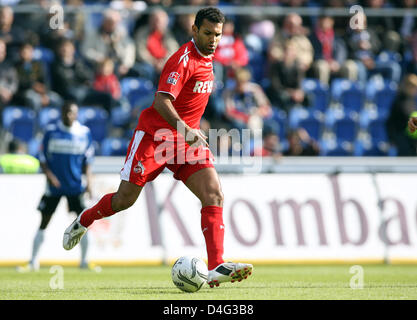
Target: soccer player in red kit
<point>168,136</point>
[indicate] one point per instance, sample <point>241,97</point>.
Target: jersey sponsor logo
<point>184,58</point>
<point>173,78</point>
<point>139,168</point>
<point>66,146</point>
<point>203,87</point>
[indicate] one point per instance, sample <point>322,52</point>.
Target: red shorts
<point>147,158</point>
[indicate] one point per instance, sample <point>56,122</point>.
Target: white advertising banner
<point>286,218</point>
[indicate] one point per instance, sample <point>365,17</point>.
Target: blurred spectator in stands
<point>8,78</point>
<point>286,76</point>
<point>72,27</point>
<point>365,45</point>
<point>76,19</point>
<point>390,56</point>
<point>10,33</point>
<point>182,28</point>
<point>246,105</point>
<point>411,63</point>
<point>33,20</point>
<point>230,54</point>
<point>111,40</point>
<point>257,40</point>
<point>301,144</point>
<point>154,45</point>
<point>403,107</point>
<point>270,146</point>
<point>16,160</point>
<point>293,3</point>
<point>406,24</point>
<point>33,90</point>
<point>263,29</point>
<point>158,3</point>
<point>106,80</point>
<point>292,29</point>
<point>379,25</point>
<point>72,79</point>
<point>340,22</point>
<point>330,53</point>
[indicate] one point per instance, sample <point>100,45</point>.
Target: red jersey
<point>188,77</point>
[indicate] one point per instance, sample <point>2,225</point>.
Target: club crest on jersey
<point>139,168</point>
<point>173,78</point>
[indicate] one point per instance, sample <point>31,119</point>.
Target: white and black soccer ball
<point>189,273</point>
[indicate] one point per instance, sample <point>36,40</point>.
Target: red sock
<point>213,231</point>
<point>100,210</point>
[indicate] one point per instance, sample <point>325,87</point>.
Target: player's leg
<point>112,203</point>
<point>108,205</point>
<point>47,207</point>
<point>205,184</point>
<point>133,179</point>
<point>76,204</point>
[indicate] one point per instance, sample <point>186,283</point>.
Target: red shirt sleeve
<point>175,73</point>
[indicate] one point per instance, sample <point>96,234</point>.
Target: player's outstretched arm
<point>163,104</point>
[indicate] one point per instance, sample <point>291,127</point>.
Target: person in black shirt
<point>402,109</point>
<point>72,79</point>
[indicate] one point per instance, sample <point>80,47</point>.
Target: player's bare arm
<point>412,124</point>
<point>163,104</point>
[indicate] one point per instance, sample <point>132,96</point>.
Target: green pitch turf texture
<point>266,283</point>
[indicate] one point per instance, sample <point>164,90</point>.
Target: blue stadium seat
<point>256,64</point>
<point>43,54</point>
<point>97,119</point>
<point>34,145</point>
<point>350,94</point>
<point>382,93</point>
<point>370,149</point>
<point>20,122</point>
<point>138,91</point>
<point>48,115</point>
<point>94,20</point>
<point>114,146</point>
<point>319,94</point>
<point>377,131</point>
<point>345,129</point>
<point>310,120</point>
<point>334,148</point>
<point>280,117</point>
<point>120,116</point>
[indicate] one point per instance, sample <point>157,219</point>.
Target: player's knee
<point>213,197</point>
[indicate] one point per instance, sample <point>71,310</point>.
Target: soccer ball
<point>189,273</point>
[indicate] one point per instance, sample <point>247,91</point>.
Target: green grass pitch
<point>267,282</point>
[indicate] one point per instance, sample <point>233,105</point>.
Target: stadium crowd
<point>312,83</point>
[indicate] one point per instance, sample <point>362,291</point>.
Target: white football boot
<point>73,234</point>
<point>30,267</point>
<point>229,272</point>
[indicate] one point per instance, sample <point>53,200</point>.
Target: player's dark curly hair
<point>212,14</point>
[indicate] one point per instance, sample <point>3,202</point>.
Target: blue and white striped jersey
<point>66,150</point>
